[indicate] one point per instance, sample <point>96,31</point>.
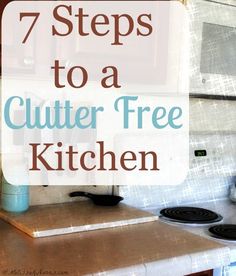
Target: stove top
<point>190,215</point>
<point>224,231</point>
<point>224,207</point>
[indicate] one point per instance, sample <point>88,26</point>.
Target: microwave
<point>212,47</point>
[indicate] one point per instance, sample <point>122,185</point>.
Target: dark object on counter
<point>103,200</point>
<point>213,97</point>
<point>224,231</point>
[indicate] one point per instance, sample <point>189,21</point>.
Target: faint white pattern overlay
<point>61,126</point>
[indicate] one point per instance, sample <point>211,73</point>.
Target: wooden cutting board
<point>59,219</point>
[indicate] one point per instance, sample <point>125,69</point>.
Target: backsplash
<point>58,194</point>
<point>191,191</point>
<point>205,115</point>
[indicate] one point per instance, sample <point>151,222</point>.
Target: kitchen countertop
<point>152,248</point>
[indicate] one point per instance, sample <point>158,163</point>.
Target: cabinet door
<point>23,61</point>
<point>3,3</point>
<point>30,58</point>
<point>144,55</point>
<point>145,63</point>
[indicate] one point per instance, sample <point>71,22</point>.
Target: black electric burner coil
<point>190,215</point>
<point>224,231</point>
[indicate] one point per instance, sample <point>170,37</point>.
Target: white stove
<point>225,209</point>
<point>212,171</point>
